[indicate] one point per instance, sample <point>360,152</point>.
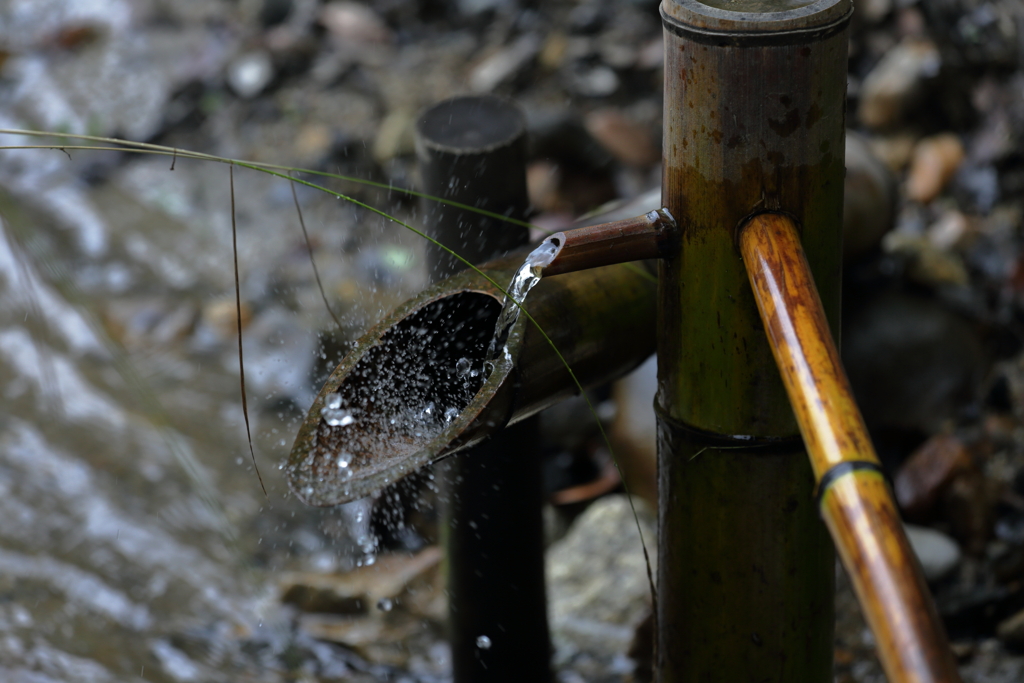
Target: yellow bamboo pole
<point>854,498</point>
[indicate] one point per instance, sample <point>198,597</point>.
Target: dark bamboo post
<point>754,101</point>
<point>472,150</point>
<point>855,500</point>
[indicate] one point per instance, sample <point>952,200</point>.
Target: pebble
<point>896,84</point>
<point>937,552</point>
<point>1011,630</point>
<point>593,81</point>
<point>921,479</point>
<point>597,580</point>
<point>355,23</point>
<point>912,362</point>
<point>869,201</point>
<point>504,65</point>
<point>250,73</point>
<point>933,165</point>
<point>631,143</point>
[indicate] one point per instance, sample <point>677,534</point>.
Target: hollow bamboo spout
<point>414,388</point>
<point>632,239</point>
<point>854,498</point>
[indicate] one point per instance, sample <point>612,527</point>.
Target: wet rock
<point>222,316</point>
<point>933,165</point>
<point>354,23</point>
<point>591,80</point>
<point>504,65</point>
<point>250,73</point>
<point>950,228</point>
<point>894,150</point>
<point>897,83</point>
<point>869,201</point>
<point>597,581</point>
<point>969,506</point>
<point>912,363</point>
<point>977,32</point>
<point>937,552</point>
<point>360,590</point>
<point>977,187</point>
<point>396,136</point>
<point>1011,630</point>
<point>628,141</point>
<point>922,478</point>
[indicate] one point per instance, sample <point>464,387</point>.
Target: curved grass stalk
<point>286,173</point>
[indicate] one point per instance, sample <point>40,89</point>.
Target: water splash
<point>525,279</point>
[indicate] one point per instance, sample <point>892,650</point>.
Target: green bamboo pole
<point>754,101</point>
<point>472,150</point>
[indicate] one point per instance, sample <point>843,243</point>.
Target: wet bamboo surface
<point>630,239</point>
<point>472,149</point>
<point>856,502</point>
<point>754,103</point>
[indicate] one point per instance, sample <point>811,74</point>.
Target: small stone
<point>597,580</point>
<point>628,141</point>
<point>396,136</point>
<point>870,198</point>
<point>355,23</point>
<point>222,316</point>
<point>505,65</point>
<point>937,553</point>
<point>933,164</point>
<point>896,84</point>
<point>948,230</point>
<point>595,81</point>
<point>250,73</point>
<point>921,479</point>
<point>1011,630</point>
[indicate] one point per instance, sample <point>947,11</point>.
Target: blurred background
<point>135,541</point>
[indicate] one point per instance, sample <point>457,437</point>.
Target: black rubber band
<point>841,470</point>
<point>754,38</point>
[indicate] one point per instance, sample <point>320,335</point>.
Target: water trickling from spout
<point>525,279</point>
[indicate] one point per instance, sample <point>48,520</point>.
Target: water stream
<point>525,279</point>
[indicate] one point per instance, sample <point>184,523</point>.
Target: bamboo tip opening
<point>412,390</point>
<point>754,16</point>
<point>470,124</point>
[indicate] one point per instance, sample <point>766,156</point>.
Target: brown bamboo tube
<point>630,239</point>
<point>856,502</point>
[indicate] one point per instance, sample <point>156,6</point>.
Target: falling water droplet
<point>333,401</point>
<point>450,415</point>
<point>344,459</point>
<point>463,367</point>
<point>385,604</point>
<point>336,417</point>
<point>428,412</point>
<point>483,642</point>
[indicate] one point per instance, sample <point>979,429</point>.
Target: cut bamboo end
<point>856,503</point>
<point>632,239</point>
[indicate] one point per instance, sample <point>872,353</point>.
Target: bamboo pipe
<point>601,320</point>
<point>855,500</point>
<point>631,239</point>
<point>472,149</point>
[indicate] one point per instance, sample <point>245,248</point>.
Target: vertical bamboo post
<point>754,114</point>
<point>472,150</point>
